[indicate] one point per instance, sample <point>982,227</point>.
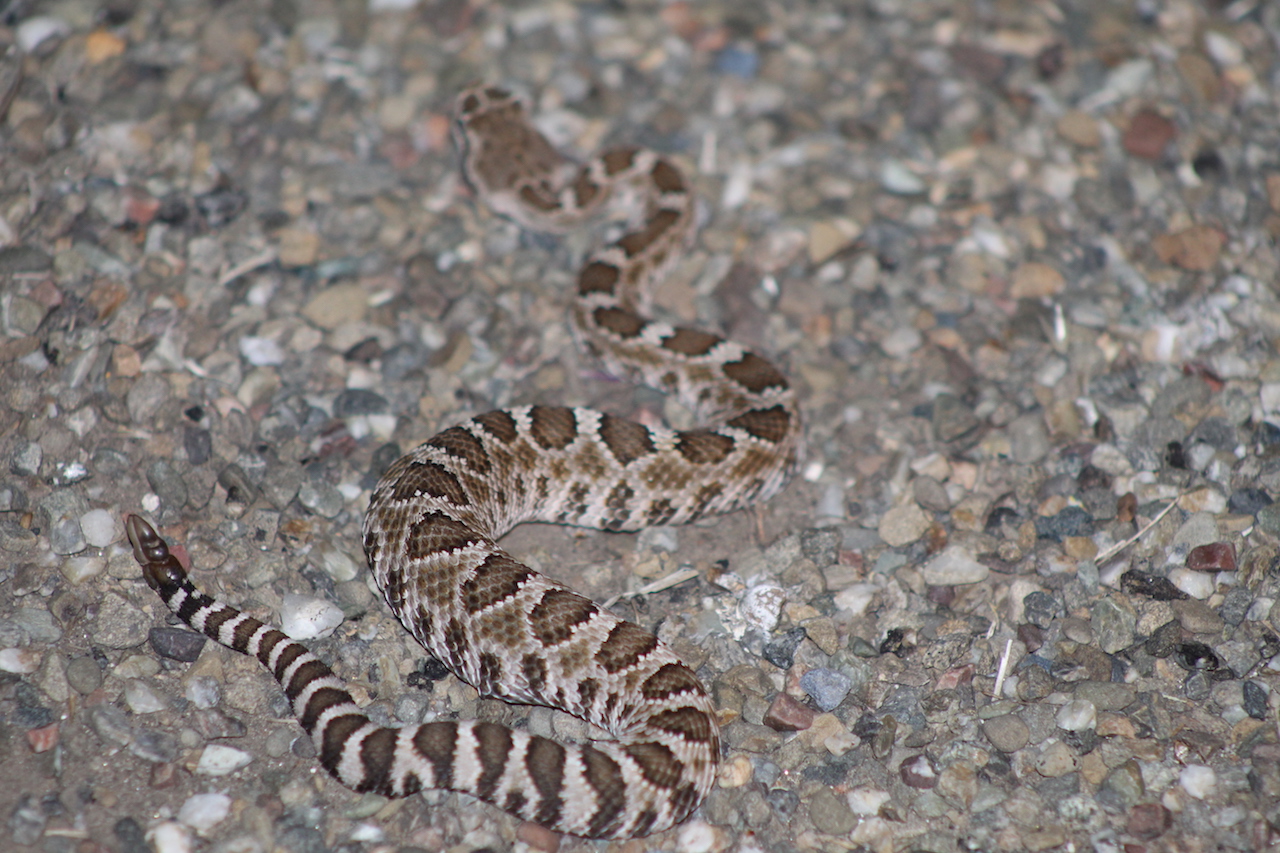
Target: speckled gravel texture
<point>1020,259</point>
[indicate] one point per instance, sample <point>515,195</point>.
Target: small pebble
<point>77,570</point>
<point>762,605</point>
<point>1077,715</point>
<point>786,714</point>
<point>1198,781</point>
<point>1195,584</point>
<point>141,698</point>
<point>954,566</point>
<point>1217,557</point>
<point>101,527</point>
<point>20,661</point>
<point>919,772</point>
<point>1007,732</point>
<point>827,687</point>
<point>84,675</point>
<point>176,643</point>
<point>202,812</point>
<point>1149,820</point>
<point>25,459</point>
<point>171,837</point>
<point>220,760</point>
<point>261,352</point>
<point>321,498</point>
<point>305,617</point>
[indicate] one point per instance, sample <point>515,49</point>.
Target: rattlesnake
<point>436,514</point>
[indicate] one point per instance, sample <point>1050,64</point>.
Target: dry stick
<point>679,576</point>
<point>1120,546</point>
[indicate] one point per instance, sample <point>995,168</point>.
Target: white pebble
<point>219,760</point>
<point>202,812</point>
<point>1077,715</point>
<point>203,691</point>
<point>77,570</point>
<point>762,605</point>
<point>305,617</point>
<point>370,833</point>
<point>1269,395</point>
<point>855,599</point>
<point>33,31</point>
<point>337,564</point>
<point>20,661</point>
<point>867,801</point>
<point>141,699</point>
<point>954,566</point>
<point>901,342</point>
<point>1195,584</point>
<point>1226,51</point>
<point>1198,780</point>
<point>170,837</point>
<point>261,352</point>
<point>697,836</point>
<point>100,527</point>
<point>897,178</point>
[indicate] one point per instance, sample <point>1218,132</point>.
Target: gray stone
<point>26,458</point>
<point>321,498</point>
<point>827,687</point>
<point>830,812</point>
<point>84,675</point>
<point>168,484</point>
<point>1113,625</point>
<point>120,623</point>
<point>38,623</point>
<point>952,418</point>
<point>1007,732</point>
<point>359,401</point>
<point>16,259</point>
<point>1028,439</point>
<point>145,398</point>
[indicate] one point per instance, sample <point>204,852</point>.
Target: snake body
<point>431,531</point>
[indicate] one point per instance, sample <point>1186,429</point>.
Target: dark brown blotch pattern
<point>498,424</point>
<point>461,444</point>
<point>704,447</point>
<point>552,427</point>
<point>495,580</point>
<point>557,614</point>
<point>626,440</point>
<point>625,647</point>
<point>771,425</point>
<point>755,374</point>
<point>691,342</point>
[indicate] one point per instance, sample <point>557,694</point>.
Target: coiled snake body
<point>431,529</point>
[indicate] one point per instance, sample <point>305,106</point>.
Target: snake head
<point>160,568</point>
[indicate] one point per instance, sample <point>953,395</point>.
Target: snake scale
<point>431,531</point>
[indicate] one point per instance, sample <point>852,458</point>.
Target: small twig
<point>1003,670</point>
<point>677,577</point>
<point>259,260</point>
<point>1120,546</point>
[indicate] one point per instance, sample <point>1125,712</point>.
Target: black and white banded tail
<point>582,789</point>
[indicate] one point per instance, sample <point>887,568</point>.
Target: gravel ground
<point>1020,259</point>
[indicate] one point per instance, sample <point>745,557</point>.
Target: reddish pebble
<point>141,209</point>
<point>787,714</point>
<point>1218,557</point>
<point>953,678</point>
<point>919,772</point>
<point>43,738</point>
<point>1126,507</point>
<point>164,775</point>
<point>1148,135</point>
<point>1149,820</point>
